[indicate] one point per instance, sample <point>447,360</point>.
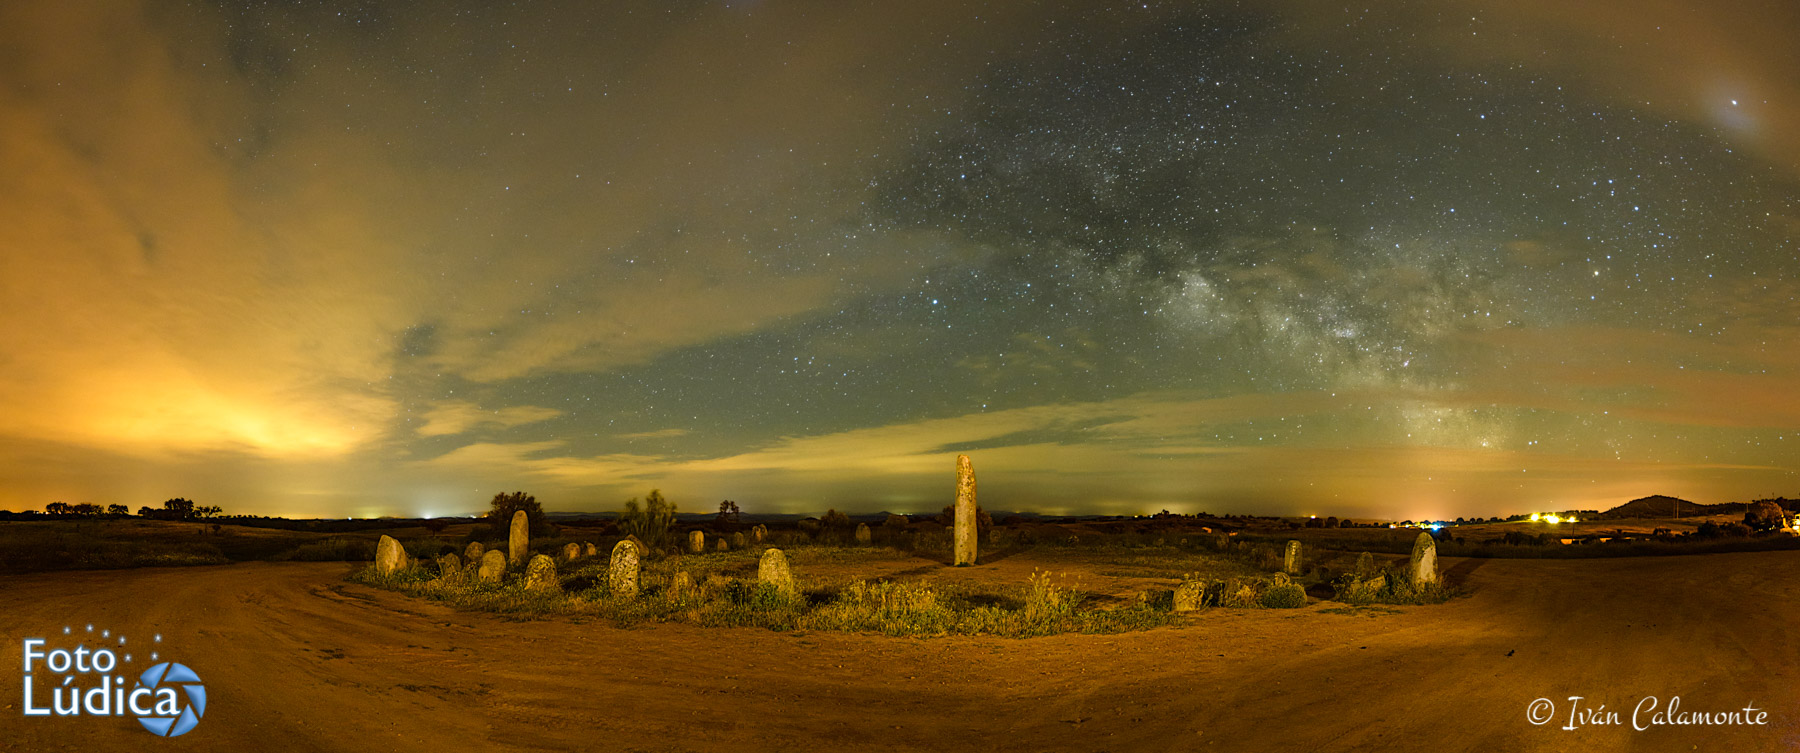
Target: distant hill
<point>1660,506</point>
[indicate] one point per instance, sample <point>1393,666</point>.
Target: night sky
<point>1393,259</point>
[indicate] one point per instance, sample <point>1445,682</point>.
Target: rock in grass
<point>540,575</point>
<point>681,586</point>
<point>1424,567</point>
<point>518,541</point>
<point>1190,596</point>
<point>1365,566</point>
<point>472,553</point>
<point>571,552</point>
<point>740,541</point>
<point>697,542</point>
<point>863,536</point>
<point>1290,563</point>
<point>493,566</point>
<point>720,545</point>
<point>389,557</point>
<point>590,549</point>
<point>760,533</point>
<point>965,511</point>
<point>449,566</point>
<point>622,571</point>
<point>773,570</point>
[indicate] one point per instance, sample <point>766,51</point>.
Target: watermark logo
<point>168,698</point>
<point>173,718</point>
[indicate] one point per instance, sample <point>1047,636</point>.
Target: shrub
<point>1283,594</point>
<point>649,523</point>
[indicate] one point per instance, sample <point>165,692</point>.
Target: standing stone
<point>1365,566</point>
<point>541,574</point>
<point>773,570</point>
<point>697,541</point>
<point>1290,564</point>
<point>1424,560</point>
<point>519,540</point>
<point>643,550</point>
<point>862,534</point>
<point>591,550</point>
<point>472,553</point>
<point>449,566</point>
<point>493,566</point>
<point>389,557</point>
<point>571,552</point>
<point>721,545</point>
<point>965,511</point>
<point>1190,595</point>
<point>681,586</point>
<point>759,533</point>
<point>622,572</point>
<point>740,541</point>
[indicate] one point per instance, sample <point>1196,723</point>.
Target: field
<point>300,655</point>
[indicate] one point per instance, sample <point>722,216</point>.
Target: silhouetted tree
<point>729,515</point>
<point>502,507</point>
<point>118,510</point>
<point>57,508</point>
<point>178,508</point>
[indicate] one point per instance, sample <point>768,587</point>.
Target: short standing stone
<point>571,552</point>
<point>389,557</point>
<point>966,527</point>
<point>760,532</point>
<point>739,540</point>
<point>472,553</point>
<point>493,566</point>
<point>1290,563</point>
<point>696,541</point>
<point>681,586</point>
<point>1424,560</point>
<point>622,572</point>
<point>590,549</point>
<point>540,575</point>
<point>1365,565</point>
<point>519,540</point>
<point>721,545</point>
<point>773,570</point>
<point>1190,595</point>
<point>449,566</point>
<point>862,534</point>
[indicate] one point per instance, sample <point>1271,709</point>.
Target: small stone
<point>696,542</point>
<point>863,536</point>
<point>740,541</point>
<point>1365,566</point>
<point>590,550</point>
<point>622,571</point>
<point>773,570</point>
<point>518,542</point>
<point>760,533</point>
<point>681,586</point>
<point>472,553</point>
<point>1190,596</point>
<point>1290,563</point>
<point>571,552</point>
<point>540,575</point>
<point>449,566</point>
<point>493,566</point>
<point>389,557</point>
<point>720,545</point>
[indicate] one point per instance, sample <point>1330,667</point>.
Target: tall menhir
<point>965,511</point>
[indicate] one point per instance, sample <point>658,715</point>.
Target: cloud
<point>456,417</point>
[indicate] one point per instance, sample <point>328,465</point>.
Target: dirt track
<point>293,658</point>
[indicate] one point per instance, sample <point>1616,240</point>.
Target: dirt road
<point>293,658</point>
